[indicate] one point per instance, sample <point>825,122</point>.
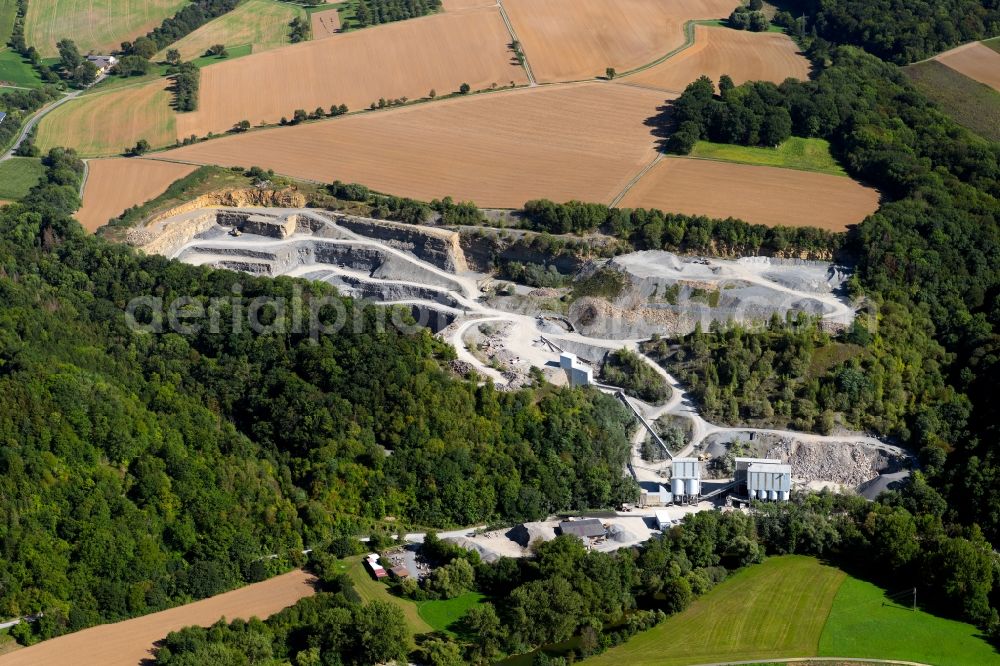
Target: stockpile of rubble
<point>846,463</point>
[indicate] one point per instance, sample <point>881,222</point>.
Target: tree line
<point>376,12</point>
<point>566,591</point>
<point>118,497</point>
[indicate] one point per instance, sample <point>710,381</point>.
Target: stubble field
<point>743,55</point>
<point>757,194</point>
<point>114,185</point>
<point>263,24</point>
<point>569,40</point>
<point>403,59</point>
<point>581,141</point>
<point>325,24</point>
<point>99,25</point>
<point>130,643</point>
<point>106,123</point>
<point>975,60</point>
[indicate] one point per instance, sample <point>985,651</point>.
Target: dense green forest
<point>567,590</point>
<point>143,470</point>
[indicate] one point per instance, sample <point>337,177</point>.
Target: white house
<point>103,62</point>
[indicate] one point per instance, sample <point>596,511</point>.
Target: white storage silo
<point>677,485</point>
<point>772,495</point>
<point>694,487</point>
<point>762,494</point>
<point>783,495</point>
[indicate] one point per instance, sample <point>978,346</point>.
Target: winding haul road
<point>523,335</point>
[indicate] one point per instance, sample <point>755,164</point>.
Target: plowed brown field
<point>325,24</point>
<point>455,5</point>
<point>975,60</point>
<point>757,194</point>
<point>568,40</point>
<point>581,141</point>
<point>129,643</point>
<point>743,55</point>
<point>114,185</point>
<point>403,59</point>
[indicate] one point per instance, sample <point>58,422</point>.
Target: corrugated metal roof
<point>590,527</point>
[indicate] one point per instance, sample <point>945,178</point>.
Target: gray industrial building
<point>763,479</point>
<point>685,479</point>
<point>579,373</point>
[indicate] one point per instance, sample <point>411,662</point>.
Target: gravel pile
<point>846,463</point>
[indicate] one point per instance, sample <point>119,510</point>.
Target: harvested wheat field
<point>325,24</point>
<point>743,55</point>
<point>569,40</point>
<point>975,60</point>
<point>263,24</point>
<point>106,123</point>
<point>456,5</point>
<point>95,25</point>
<point>129,643</point>
<point>403,59</point>
<point>582,141</point>
<point>116,184</point>
<point>757,194</point>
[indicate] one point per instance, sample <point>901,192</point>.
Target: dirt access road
<point>130,643</point>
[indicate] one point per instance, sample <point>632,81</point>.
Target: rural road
<point>35,119</point>
<point>522,336</point>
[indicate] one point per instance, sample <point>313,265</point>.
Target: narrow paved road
<point>35,119</point>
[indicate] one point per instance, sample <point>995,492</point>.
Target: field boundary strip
<point>809,660</point>
<point>635,179</point>
<point>513,35</point>
<point>749,163</point>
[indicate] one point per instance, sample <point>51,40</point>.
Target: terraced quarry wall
<point>403,59</point>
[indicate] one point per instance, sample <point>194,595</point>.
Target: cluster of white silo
<point>769,480</point>
<point>685,479</point>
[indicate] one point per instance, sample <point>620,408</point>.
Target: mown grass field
<point>776,609</point>
<point>105,124</point>
<point>260,24</point>
<point>993,43</point>
<point>863,623</point>
<point>795,153</point>
<point>8,11</point>
<point>14,70</point>
<point>371,590</point>
<point>18,175</point>
<point>970,103</point>
<point>99,25</point>
<point>441,614</point>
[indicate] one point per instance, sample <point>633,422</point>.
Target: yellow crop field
<point>95,25</point>
<point>106,123</point>
<point>263,24</point>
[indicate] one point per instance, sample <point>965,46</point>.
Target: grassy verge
<point>863,623</point>
<point>441,614</point>
<point>972,104</point>
<point>795,153</point>
<point>724,23</point>
<point>16,70</point>
<point>232,52</point>
<point>18,175</point>
<point>371,590</point>
<point>993,43</point>
<point>766,611</point>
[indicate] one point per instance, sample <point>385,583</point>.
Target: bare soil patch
<point>114,185</point>
<point>456,5</point>
<point>129,643</point>
<point>757,194</point>
<point>568,40</point>
<point>975,60</point>
<point>743,55</point>
<point>325,24</point>
<point>403,59</point>
<point>583,141</point>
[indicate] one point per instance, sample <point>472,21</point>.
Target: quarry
<point>506,333</point>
